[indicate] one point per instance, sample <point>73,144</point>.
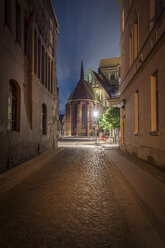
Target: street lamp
<point>95,114</point>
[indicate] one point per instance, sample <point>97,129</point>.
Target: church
<point>93,93</point>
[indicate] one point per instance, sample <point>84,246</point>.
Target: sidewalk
<point>147,189</point>
<point>17,174</point>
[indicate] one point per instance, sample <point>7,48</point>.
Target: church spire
<point>82,70</point>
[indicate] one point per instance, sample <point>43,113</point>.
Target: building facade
<point>110,70</point>
<point>142,79</point>
<point>28,95</point>
<point>61,125</point>
<point>93,92</point>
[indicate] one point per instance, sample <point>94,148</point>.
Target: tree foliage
<point>110,119</point>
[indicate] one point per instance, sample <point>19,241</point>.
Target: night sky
<point>89,30</point>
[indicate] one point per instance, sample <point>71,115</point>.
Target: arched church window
<point>90,116</point>
<point>90,78</point>
<point>112,76</point>
<point>84,116</point>
<point>75,116</point>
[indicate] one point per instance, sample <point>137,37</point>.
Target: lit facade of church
<point>94,92</point>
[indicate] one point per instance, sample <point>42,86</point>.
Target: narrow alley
<point>72,198</point>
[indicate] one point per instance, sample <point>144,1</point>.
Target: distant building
<point>142,79</point>
<point>28,84</point>
<point>93,92</point>
<point>110,69</point>
<point>61,125</point>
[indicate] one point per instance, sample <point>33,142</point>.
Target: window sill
<point>154,133</point>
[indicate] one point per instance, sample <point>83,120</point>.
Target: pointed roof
<point>82,70</point>
<point>82,91</point>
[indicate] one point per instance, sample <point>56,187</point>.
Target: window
<point>39,58</point>
<point>136,112</point>
<point>8,13</point>
<point>52,77</point>
<point>123,66</point>
<point>100,95</point>
<point>70,113</point>
<point>94,83</point>
<point>154,102</point>
<point>13,107</point>
<point>90,116</point>
<point>75,116</point>
<point>130,51</point>
<point>49,75</point>
<point>44,119</point>
<point>25,35</point>
<point>116,75</point>
<point>67,108</point>
<point>112,76</point>
<point>135,36</point>
<point>18,23</point>
<point>84,116</point>
<point>90,78</point>
<point>112,93</point>
<point>43,65</point>
<point>122,21</point>
<point>46,70</point>
<point>35,52</point>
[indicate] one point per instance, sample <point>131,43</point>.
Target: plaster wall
<point>28,141</point>
<point>150,58</point>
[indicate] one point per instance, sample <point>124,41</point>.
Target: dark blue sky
<point>89,30</point>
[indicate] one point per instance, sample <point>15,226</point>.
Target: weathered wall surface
<point>28,141</point>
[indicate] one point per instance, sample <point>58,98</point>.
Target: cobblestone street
<point>75,200</point>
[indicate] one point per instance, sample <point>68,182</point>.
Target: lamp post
<point>95,113</point>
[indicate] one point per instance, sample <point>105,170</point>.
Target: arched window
<point>90,116</point>
<point>112,76</point>
<point>75,116</point>
<point>44,119</point>
<point>13,106</point>
<point>90,78</point>
<point>84,116</point>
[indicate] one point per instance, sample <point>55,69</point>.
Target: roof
<point>109,62</point>
<point>104,83</point>
<point>83,90</point>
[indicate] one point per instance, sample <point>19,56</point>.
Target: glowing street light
<point>95,113</point>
